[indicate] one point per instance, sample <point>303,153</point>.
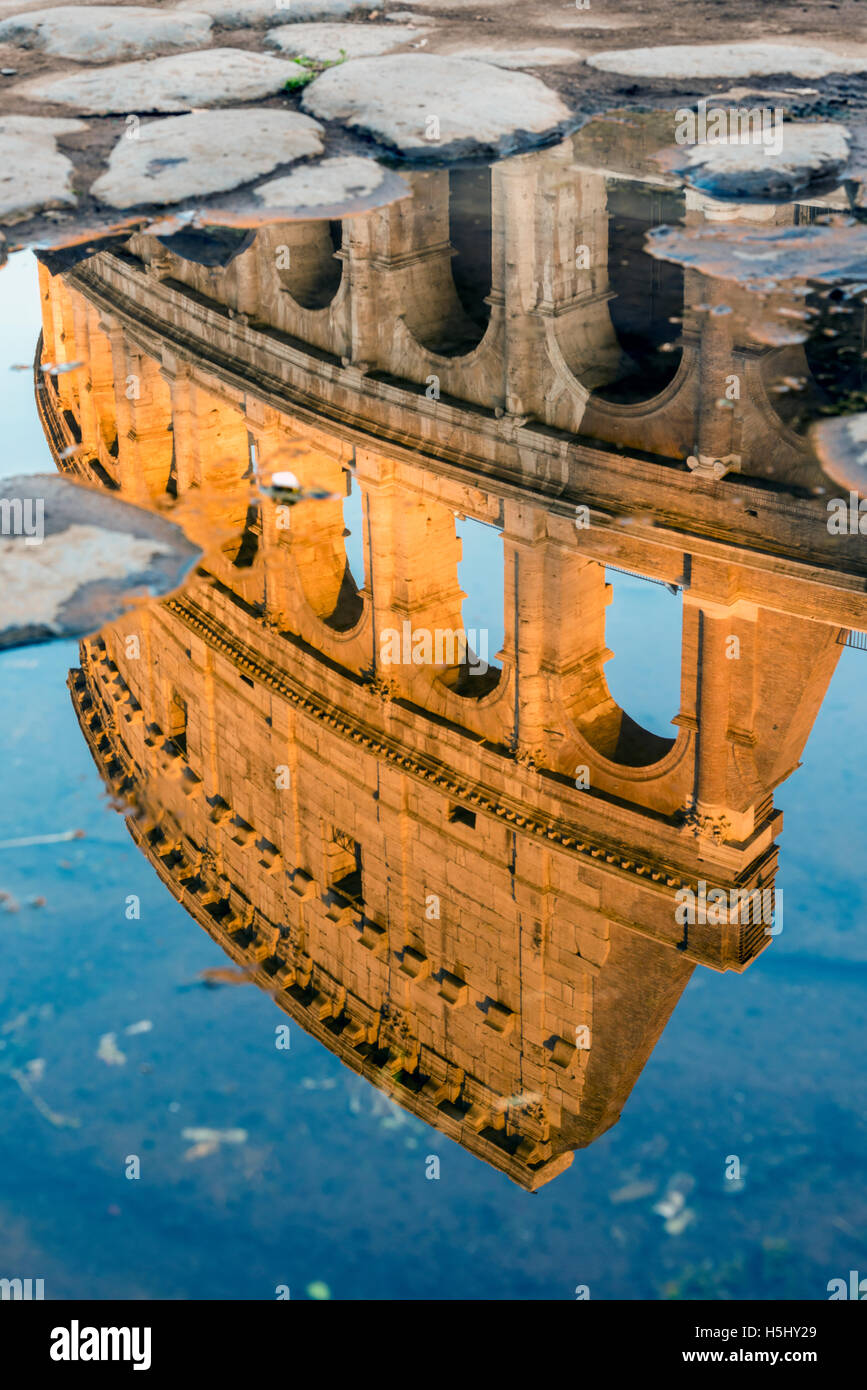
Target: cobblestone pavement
<point>136,108</point>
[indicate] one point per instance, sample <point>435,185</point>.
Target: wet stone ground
<point>316,315</point>
<point>174,104</point>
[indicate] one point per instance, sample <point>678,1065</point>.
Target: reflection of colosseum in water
<point>402,856</point>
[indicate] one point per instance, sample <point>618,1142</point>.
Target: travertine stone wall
<point>390,306</point>
<point>510,953</point>
<point>759,643</point>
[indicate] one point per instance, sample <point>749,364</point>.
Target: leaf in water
<point>318,1290</point>
<point>225,975</point>
<point>52,1116</point>
<point>207,1141</point>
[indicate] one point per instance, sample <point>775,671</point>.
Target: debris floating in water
<point>109,1052</point>
<point>318,1290</point>
<point>207,1141</point>
<point>201,1134</point>
<point>28,841</point>
<point>225,975</point>
<point>26,1079</point>
<point>144,1025</point>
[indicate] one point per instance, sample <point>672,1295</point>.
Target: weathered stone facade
<point>408,866</point>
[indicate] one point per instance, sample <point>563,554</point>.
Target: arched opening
<point>247,550</point>
<point>148,457</point>
<point>470,238</point>
<point>444,285</point>
<point>320,530</point>
<point>480,575</point>
<point>308,261</point>
<point>350,605</point>
<point>230,471</point>
<point>647,305</point>
<point>643,628</point>
<point>353,520</point>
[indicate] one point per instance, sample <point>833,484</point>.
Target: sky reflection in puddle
<point>453,881</point>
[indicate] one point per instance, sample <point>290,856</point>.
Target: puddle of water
<point>432,755</point>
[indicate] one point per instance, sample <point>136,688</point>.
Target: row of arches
<point>177,440</point>
<point>390,541</point>
<point>526,289</point>
<point>452,317</point>
<point>643,623</point>
<point>619,311</point>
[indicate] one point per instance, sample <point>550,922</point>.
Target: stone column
<point>412,557</point>
<point>555,603</point>
<point>716,412</point>
<point>713,709</point>
<point>144,442</point>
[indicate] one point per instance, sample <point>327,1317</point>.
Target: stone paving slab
<point>327,42</point>
<point>37,127</point>
<point>105,33</point>
<point>790,160</point>
<point>841,448</point>
<point>33,173</point>
<point>517,58</point>
<point>79,554</point>
<point>424,105</point>
<point>342,185</point>
<point>467,82</point>
<point>175,83</point>
<point>475,7</point>
<point>759,258</point>
<point>12,7</point>
<point>727,60</point>
<point>237,14</point>
<point>206,152</point>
